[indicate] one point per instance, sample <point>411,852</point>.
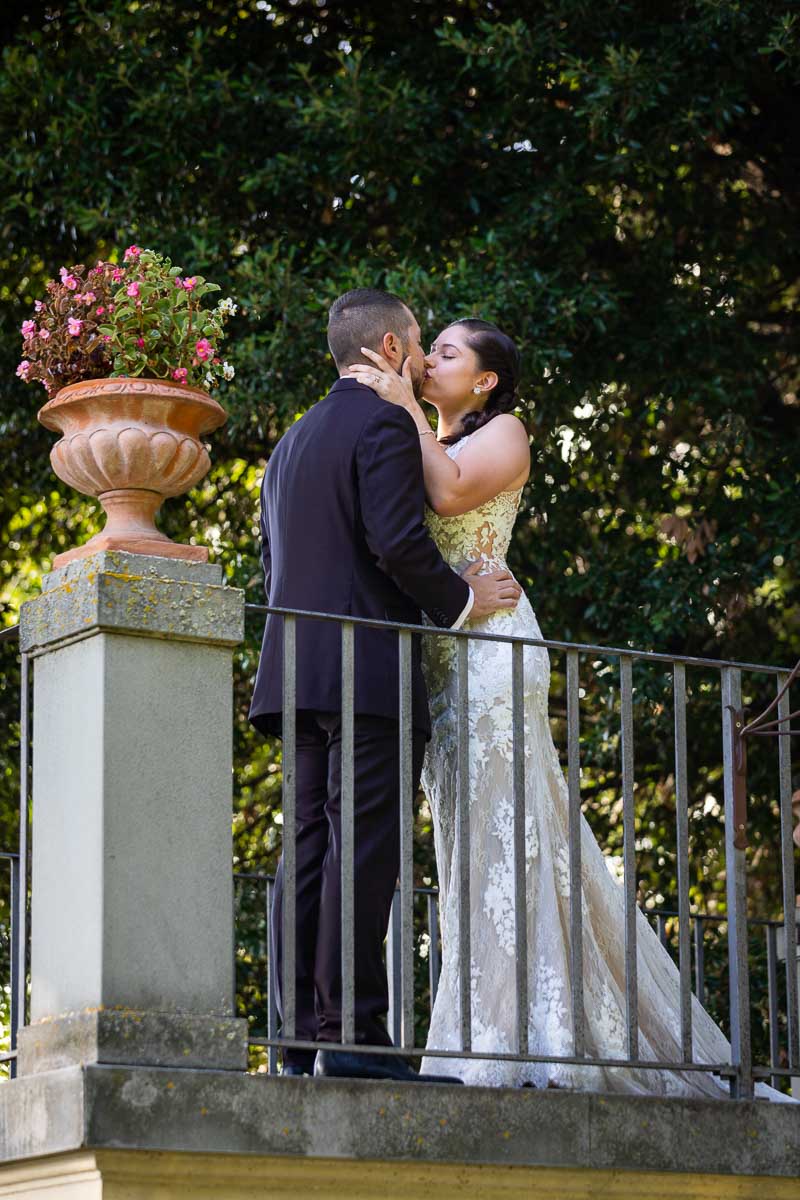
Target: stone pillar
<point>132,912</point>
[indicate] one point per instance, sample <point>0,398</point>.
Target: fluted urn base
<point>131,443</point>
<point>130,526</point>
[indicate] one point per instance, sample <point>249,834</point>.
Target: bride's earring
<point>477,391</point>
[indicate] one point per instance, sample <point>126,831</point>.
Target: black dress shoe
<point>291,1070</point>
<point>340,1064</point>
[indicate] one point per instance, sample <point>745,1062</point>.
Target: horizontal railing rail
<point>545,643</point>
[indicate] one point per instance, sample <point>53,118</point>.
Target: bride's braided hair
<point>496,352</point>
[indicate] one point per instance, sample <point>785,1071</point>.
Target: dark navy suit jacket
<point>342,531</point>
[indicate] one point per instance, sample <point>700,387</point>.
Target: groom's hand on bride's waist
<point>498,589</point>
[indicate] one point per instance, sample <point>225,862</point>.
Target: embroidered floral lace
<point>485,533</point>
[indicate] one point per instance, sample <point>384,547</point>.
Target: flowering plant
<point>139,318</point>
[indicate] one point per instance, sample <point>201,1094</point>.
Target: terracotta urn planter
<point>131,443</point>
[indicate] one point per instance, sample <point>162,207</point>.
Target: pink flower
<point>117,274</point>
<point>106,337</point>
<point>37,304</point>
<point>44,334</point>
<point>203,349</point>
<point>140,343</point>
<point>178,281</point>
<point>74,326</point>
<point>132,252</point>
<point>28,329</point>
<point>111,307</point>
<point>188,284</point>
<point>23,369</point>
<point>180,374</point>
<point>68,279</point>
<point>100,309</point>
<point>132,289</point>
<point>88,297</point>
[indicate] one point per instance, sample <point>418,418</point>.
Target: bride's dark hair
<point>495,351</point>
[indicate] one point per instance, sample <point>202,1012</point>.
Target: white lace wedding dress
<point>485,533</point>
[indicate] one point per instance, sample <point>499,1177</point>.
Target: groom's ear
<point>392,350</point>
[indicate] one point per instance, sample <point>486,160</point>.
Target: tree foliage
<point>616,184</point>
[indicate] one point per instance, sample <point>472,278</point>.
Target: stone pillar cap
<point>117,592</point>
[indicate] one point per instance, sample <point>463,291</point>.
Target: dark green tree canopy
<point>614,184</point>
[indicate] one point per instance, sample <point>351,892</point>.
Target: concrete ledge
<point>117,592</point>
<point>211,1112</point>
<point>124,1037</point>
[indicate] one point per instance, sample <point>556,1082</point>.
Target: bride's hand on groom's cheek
<point>397,389</point>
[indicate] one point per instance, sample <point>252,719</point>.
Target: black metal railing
<point>741,1071</point>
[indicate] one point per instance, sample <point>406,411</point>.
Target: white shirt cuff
<point>467,610</point>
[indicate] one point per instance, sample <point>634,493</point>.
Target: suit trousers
<point>318,945</point>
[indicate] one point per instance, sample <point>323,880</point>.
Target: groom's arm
<point>391,490</point>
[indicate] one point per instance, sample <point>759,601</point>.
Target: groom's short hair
<point>361,318</point>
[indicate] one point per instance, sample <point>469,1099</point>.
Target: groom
<point>342,532</point>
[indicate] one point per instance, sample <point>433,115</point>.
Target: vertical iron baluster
<point>288,984</point>
<point>15,963</point>
<point>393,972</point>
<point>463,840</point>
<point>736,895</point>
<point>575,862</point>
<point>234,954</point>
<point>788,882</point>
<point>629,857</point>
<point>520,857</point>
<point>772,999</point>
<point>434,966</point>
<point>24,806</point>
<point>699,959</point>
<point>661,926</point>
<point>272,981</point>
<point>348,837</point>
<point>682,826</point>
<point>406,843</point>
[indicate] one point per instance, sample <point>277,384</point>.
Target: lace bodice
<point>484,533</point>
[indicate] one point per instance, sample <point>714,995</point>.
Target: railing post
<point>463,845</point>
<point>736,884</point>
<point>288,972</point>
<point>575,856</point>
<point>347,836</point>
<point>406,823</point>
<point>629,857</point>
<point>788,886</point>
<point>17,962</point>
<point>682,839</point>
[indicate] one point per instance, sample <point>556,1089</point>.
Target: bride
<point>476,466</point>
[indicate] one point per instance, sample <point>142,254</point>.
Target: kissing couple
<point>367,512</point>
